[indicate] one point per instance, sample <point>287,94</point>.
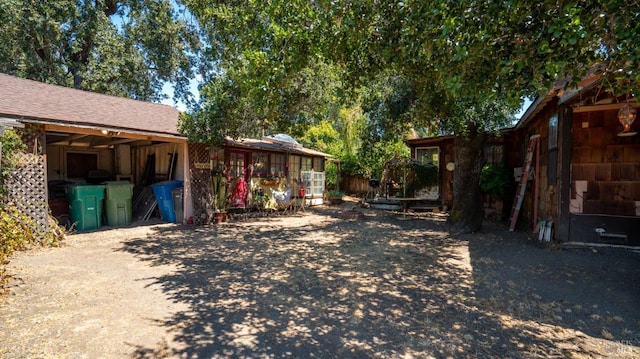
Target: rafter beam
<point>613,106</point>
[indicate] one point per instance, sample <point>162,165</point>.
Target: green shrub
<point>494,180</point>
<point>17,230</point>
<point>11,144</point>
<point>335,193</point>
<point>20,231</point>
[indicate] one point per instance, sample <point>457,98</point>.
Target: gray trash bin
<point>178,203</point>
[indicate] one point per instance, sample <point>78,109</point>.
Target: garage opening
<point>79,156</point>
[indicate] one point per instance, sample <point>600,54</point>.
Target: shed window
<point>294,168</point>
<point>260,161</point>
<point>306,164</point>
<point>553,131</point>
<point>236,164</point>
<point>428,155</point>
<point>318,164</point>
<point>278,165</point>
<point>494,154</point>
<point>313,182</point>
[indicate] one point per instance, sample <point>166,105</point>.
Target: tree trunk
<point>467,213</point>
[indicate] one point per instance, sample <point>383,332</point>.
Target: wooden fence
<point>354,185</point>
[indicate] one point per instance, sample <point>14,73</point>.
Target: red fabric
<point>239,193</point>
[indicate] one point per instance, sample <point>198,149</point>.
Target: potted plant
<point>220,189</point>
<point>335,196</point>
<point>494,182</point>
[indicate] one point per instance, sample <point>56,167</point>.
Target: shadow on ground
<point>383,287</point>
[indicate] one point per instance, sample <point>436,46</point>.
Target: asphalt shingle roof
<point>27,99</point>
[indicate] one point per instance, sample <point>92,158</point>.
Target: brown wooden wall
<point>605,168</point>
<point>547,192</point>
<point>447,154</point>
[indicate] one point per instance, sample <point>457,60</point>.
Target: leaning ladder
<point>534,144</point>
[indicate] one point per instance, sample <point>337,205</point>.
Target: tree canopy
<point>447,51</point>
<point>450,66</point>
<point>128,48</point>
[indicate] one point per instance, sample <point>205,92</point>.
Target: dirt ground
<point>317,285</point>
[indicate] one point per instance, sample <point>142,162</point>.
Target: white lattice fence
<point>27,188</point>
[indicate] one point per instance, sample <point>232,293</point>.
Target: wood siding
<point>547,186</point>
<point>356,185</point>
<point>606,167</point>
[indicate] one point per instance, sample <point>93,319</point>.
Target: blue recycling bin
<point>162,192</point>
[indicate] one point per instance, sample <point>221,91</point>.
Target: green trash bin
<point>118,202</point>
<point>85,205</point>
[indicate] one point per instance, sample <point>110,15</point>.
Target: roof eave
<point>101,128</point>
<point>274,147</point>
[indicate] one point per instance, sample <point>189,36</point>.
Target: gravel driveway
<point>316,285</point>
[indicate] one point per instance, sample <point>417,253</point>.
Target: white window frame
<point>313,182</point>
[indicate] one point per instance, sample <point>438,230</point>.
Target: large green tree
<point>128,48</point>
<point>456,64</point>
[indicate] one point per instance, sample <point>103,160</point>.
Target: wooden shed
<point>254,168</point>
<point>589,183</point>
<point>440,151</point>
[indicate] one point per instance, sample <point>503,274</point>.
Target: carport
<point>86,137</point>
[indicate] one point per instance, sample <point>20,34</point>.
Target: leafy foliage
<point>220,190</point>
<point>241,102</point>
<point>18,231</point>
<point>15,231</point>
<point>413,175</point>
<point>352,146</point>
<point>122,48</point>
<point>11,143</point>
<point>335,194</point>
<point>323,137</point>
<point>448,66</point>
<point>495,180</point>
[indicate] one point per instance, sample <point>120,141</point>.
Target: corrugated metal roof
<point>270,144</point>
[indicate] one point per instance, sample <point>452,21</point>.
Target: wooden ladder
<point>522,186</point>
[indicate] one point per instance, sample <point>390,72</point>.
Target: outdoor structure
<point>589,164</point>
<point>584,181</point>
<point>85,137</point>
<point>252,170</point>
<point>88,138</point>
<point>440,151</point>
